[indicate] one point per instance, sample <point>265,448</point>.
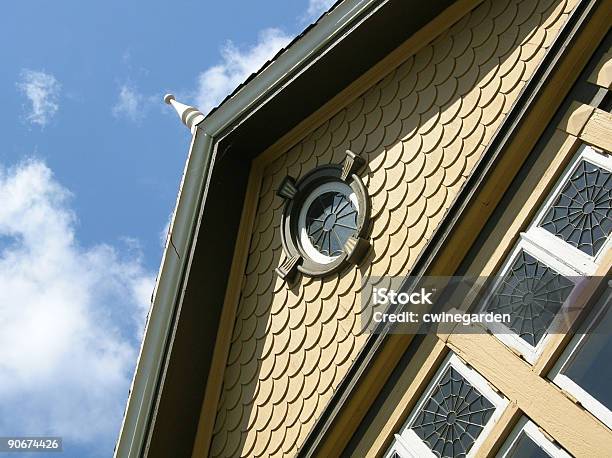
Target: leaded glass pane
<point>582,213</point>
<point>331,220</point>
<point>453,416</point>
<point>531,293</point>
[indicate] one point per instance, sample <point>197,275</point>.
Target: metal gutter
<point>133,431</point>
<point>192,193</point>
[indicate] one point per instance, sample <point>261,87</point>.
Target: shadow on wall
<point>421,129</point>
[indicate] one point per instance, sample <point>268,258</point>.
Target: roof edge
<point>289,63</point>
<point>155,346</point>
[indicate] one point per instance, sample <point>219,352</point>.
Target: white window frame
<point>531,430</point>
<point>578,258</point>
<point>567,384</point>
<point>553,251</point>
<point>408,444</point>
<point>504,333</point>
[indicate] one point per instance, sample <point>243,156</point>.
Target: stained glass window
<point>453,416</point>
<point>330,221</point>
<point>582,213</point>
<point>531,293</point>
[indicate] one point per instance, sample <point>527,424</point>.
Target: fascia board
<point>150,364</point>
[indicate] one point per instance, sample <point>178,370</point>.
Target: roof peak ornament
<point>190,116</point>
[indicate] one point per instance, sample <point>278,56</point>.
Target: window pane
<point>527,448</point>
<point>582,214</point>
<point>531,293</point>
<point>590,365</point>
<point>453,416</point>
<point>331,220</point>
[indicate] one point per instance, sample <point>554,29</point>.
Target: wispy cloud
<point>42,90</point>
<point>71,316</point>
<point>237,64</point>
<point>317,7</point>
<point>165,232</point>
<point>131,104</point>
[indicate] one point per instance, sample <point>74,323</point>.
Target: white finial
<point>190,116</point>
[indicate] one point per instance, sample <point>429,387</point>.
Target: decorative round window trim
<point>325,220</point>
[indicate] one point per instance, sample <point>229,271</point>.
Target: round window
<point>328,219</point>
<point>325,220</point>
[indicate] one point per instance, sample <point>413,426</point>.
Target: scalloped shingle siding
<point>422,128</point>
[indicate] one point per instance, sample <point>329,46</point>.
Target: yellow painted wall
<point>421,128</point>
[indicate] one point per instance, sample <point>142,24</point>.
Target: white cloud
<point>165,232</point>
<point>130,104</point>
<point>317,7</point>
<point>42,89</point>
<point>237,64</point>
<point>71,316</point>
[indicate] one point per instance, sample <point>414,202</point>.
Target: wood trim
<point>500,431</point>
<point>542,176</point>
<point>411,384</point>
<point>363,396</point>
<point>555,156</point>
<point>572,427</point>
<point>389,63</point>
<point>602,74</point>
<point>590,124</point>
<point>576,118</point>
<point>597,130</point>
<point>226,323</point>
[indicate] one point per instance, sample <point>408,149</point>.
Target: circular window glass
<point>328,218</point>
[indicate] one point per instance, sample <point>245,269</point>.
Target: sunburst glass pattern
<point>582,214</point>
<point>532,293</point>
<point>453,416</point>
<point>331,220</point>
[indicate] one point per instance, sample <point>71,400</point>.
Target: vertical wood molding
<point>224,333</point>
<point>500,431</point>
<point>411,384</point>
<point>556,154</point>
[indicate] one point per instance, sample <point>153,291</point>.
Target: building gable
<point>421,130</point>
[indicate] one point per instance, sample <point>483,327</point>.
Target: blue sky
<point>90,162</point>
